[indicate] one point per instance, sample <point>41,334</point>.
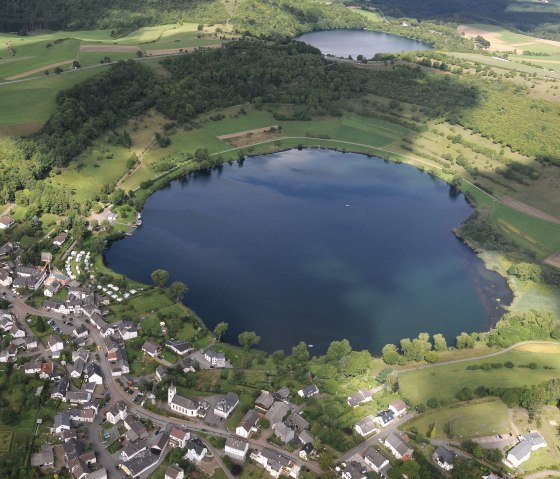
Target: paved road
<point>118,394</point>
<point>375,438</point>
<point>103,456</point>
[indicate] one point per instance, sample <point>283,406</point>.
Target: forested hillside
<point>540,18</point>
<point>281,17</point>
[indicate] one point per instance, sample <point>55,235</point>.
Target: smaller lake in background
<point>342,43</point>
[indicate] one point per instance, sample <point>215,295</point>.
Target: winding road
<point>21,309</point>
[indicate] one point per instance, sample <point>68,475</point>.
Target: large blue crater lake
<point>317,245</point>
<point>342,43</point>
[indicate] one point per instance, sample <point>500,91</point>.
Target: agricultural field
<point>444,381</point>
<point>504,40</point>
<point>22,57</point>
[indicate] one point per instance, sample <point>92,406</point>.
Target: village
<point>108,427</point>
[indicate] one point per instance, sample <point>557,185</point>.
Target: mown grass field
<point>26,105</point>
<point>443,382</point>
<point>476,419</point>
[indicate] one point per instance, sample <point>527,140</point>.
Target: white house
<point>444,458</point>
<point>6,222</point>
<point>55,344</point>
<point>398,408</point>
<point>196,450</point>
<point>216,359</point>
<point>375,460</point>
<point>5,279</point>
<point>174,471</point>
<point>127,330</point>
<point>226,406</point>
<point>93,374</point>
<point>17,332</point>
<point>32,368</point>
<point>275,463</point>
<point>398,447</point>
<point>178,437</point>
<point>248,424</point>
<point>308,391</point>
<point>366,426</point>
<point>181,404</point>
<point>519,453</point>
<point>283,432</point>
<point>236,448</point>
<point>117,413</point>
<point>360,397</point>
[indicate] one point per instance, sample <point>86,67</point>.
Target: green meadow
<point>443,382</point>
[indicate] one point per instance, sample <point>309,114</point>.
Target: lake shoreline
<point>343,150</point>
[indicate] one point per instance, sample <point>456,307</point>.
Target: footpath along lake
<point>342,43</point>
<point>317,245</point>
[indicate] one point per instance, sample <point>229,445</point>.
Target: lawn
<point>444,381</point>
<point>476,419</point>
<point>31,103</point>
<point>539,236</point>
<point>372,16</point>
<point>31,56</point>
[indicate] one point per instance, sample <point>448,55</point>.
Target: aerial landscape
<point>279,238</point>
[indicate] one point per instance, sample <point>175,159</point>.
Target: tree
<point>440,344</point>
<point>407,348</point>
<point>390,354</point>
<point>300,354</point>
<point>178,290</point>
<point>338,349</point>
<point>465,341</point>
<point>431,356</point>
<point>220,329</point>
<point>160,277</point>
<point>247,339</point>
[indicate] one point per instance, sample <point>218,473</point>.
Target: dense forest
<point>269,74</point>
<point>538,18</point>
<point>280,17</point>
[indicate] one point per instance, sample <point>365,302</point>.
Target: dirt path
<point>174,51</point>
<point>477,358</point>
<point>128,174</point>
<point>108,48</point>
<point>39,70</point>
<point>519,206</point>
<point>512,425</point>
<point>246,132</point>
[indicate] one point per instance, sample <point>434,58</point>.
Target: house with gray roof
<point>444,457</point>
<point>360,397</point>
<point>295,421</point>
<point>196,450</point>
<point>308,391</point>
<point>277,412</point>
<point>139,464</point>
<point>248,424</point>
<point>265,401</point>
<point>43,458</point>
<point>366,426</point>
<point>236,448</point>
<point>519,453</point>
<point>398,447</point>
<point>376,461</point>
<point>217,359</point>
<point>226,406</point>
<point>283,432</point>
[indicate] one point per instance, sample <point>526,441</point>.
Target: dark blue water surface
<point>317,245</point>
<point>342,43</point>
